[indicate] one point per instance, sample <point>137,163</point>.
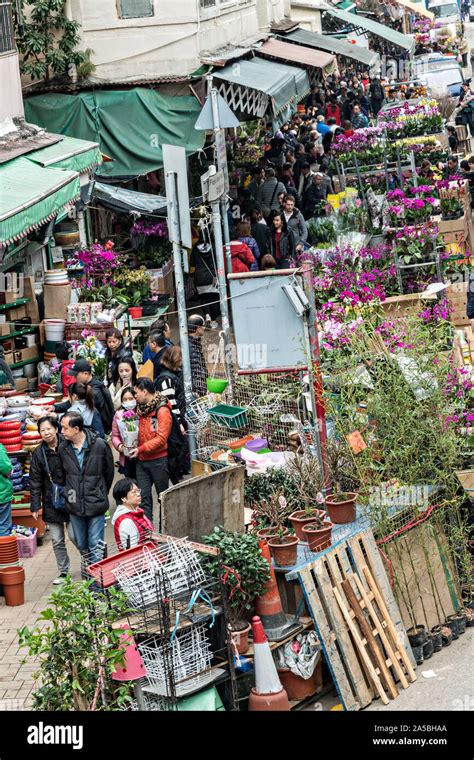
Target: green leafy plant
<point>450,207</point>
<point>76,647</point>
<point>242,569</point>
<point>48,45</point>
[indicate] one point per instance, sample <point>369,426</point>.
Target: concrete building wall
<point>11,101</point>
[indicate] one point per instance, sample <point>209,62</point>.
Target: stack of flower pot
<point>16,475</point>
<point>12,575</point>
<point>10,435</point>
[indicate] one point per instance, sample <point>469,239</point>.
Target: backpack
<point>176,438</point>
<point>377,91</point>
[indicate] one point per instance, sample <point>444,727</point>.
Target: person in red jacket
<point>154,429</point>
<point>333,112</point>
<point>242,257</point>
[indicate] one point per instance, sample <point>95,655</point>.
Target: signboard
<point>213,186</point>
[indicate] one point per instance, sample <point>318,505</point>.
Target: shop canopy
<point>251,87</point>
<point>31,195</point>
<point>405,41</point>
<point>416,8</point>
<point>306,56</point>
<point>70,153</point>
<point>334,45</point>
<point>131,202</point>
<point>130,126</point>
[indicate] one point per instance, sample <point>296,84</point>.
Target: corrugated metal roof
<point>333,45</point>
<point>405,41</point>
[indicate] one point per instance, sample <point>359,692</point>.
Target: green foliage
<point>48,45</point>
<point>241,567</point>
<point>76,641</point>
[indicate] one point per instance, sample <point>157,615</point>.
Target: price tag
<point>356,442</point>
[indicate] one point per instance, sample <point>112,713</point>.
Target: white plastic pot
<point>54,329</point>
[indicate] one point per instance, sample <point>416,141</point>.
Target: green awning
<point>405,41</point>
<point>333,45</point>
<point>76,155</point>
<point>285,85</point>
<point>31,196</point>
<point>130,126</point>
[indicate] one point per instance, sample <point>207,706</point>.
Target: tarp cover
<point>405,41</point>
<point>334,45</point>
<point>286,85</point>
<point>120,199</point>
<point>288,52</point>
<point>31,195</point>
<point>129,125</point>
<point>70,153</point>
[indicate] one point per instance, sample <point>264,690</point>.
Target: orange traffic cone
<point>268,694</point>
<point>268,606</point>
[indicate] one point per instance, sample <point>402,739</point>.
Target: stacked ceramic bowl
<point>56,277</point>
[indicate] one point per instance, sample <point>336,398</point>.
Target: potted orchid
<point>128,427</point>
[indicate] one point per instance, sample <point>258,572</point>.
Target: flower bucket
<point>135,311</point>
<point>54,329</point>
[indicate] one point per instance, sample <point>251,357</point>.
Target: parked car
<point>440,73</point>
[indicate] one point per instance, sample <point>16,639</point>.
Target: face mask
<point>129,404</point>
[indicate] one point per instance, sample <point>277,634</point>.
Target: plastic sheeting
<point>129,125</point>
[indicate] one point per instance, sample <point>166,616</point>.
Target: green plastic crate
<point>233,417</point>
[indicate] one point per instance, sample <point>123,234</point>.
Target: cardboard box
<point>29,353</point>
<point>29,286</point>
<point>5,328</point>
<point>21,383</point>
<point>164,285</point>
<point>33,311</point>
<point>56,301</point>
<point>8,356</point>
<point>18,313</point>
<point>453,225</point>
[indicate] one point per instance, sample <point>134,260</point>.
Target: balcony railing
<point>7,31</point>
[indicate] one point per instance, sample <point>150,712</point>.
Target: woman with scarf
<point>131,526</point>
<point>154,429</point>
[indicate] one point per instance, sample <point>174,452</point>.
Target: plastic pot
<point>318,538</point>
<point>341,512</point>
<point>452,623</point>
<point>447,635</point>
<point>417,636</point>
<point>269,533</point>
<point>284,553</point>
<point>461,621</point>
<point>54,330</point>
<point>216,384</point>
<point>437,638</point>
<point>418,654</point>
<point>241,639</point>
<point>300,518</point>
<point>135,311</point>
<point>428,648</point>
<point>13,582</point>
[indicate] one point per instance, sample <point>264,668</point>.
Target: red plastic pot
<point>13,449</point>
<point>341,512</point>
<point>300,518</point>
<point>284,553</point>
<point>9,426</point>
<point>135,311</point>
<point>319,538</point>
<point>11,440</point>
<point>13,581</point>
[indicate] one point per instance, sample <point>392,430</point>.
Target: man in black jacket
<point>88,468</point>
<point>82,371</point>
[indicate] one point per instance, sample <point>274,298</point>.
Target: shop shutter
<point>135,8</point>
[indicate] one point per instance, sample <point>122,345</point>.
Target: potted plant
<point>284,548</point>
<point>451,208</point>
<point>340,504</point>
<point>244,573</point>
<point>318,534</point>
<point>308,497</point>
<point>272,515</point>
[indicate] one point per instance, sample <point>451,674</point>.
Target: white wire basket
<point>152,702</point>
<point>185,661</point>
<point>168,570</point>
<point>197,412</point>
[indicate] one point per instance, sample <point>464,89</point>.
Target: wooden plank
<point>390,625</point>
<point>362,650</point>
<point>383,636</point>
<point>359,560</point>
<point>385,590</point>
<point>336,619</point>
<point>370,639</point>
<point>328,644</point>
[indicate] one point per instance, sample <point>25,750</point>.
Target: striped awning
<point>70,153</point>
<point>31,195</point>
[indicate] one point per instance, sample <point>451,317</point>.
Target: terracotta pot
<point>241,639</point>
<point>135,311</point>
<point>297,687</point>
<point>13,581</point>
<point>284,553</point>
<point>269,533</point>
<point>341,512</point>
<point>320,538</point>
<point>300,518</point>
<point>268,702</point>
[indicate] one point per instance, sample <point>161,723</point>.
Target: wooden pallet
<point>358,622</point>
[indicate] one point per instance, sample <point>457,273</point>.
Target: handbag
<point>58,499</point>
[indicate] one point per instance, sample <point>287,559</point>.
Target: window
<point>7,36</point>
<point>135,8</point>
<point>207,3</point>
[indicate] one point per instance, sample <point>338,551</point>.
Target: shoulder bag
<point>58,499</point>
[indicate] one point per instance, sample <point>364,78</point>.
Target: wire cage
<point>169,569</point>
<point>152,703</point>
<point>187,656</point>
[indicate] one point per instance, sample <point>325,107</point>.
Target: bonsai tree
<point>273,512</point>
<point>77,644</point>
<point>309,481</point>
<point>242,569</point>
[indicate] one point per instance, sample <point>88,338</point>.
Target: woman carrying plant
<point>127,374</point>
<point>131,526</point>
<point>115,351</point>
<point>128,406</point>
<point>45,470</point>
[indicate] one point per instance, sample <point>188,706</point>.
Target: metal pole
<point>219,251</point>
<point>173,222</point>
<point>139,696</point>
<point>314,370</point>
<point>221,164</point>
